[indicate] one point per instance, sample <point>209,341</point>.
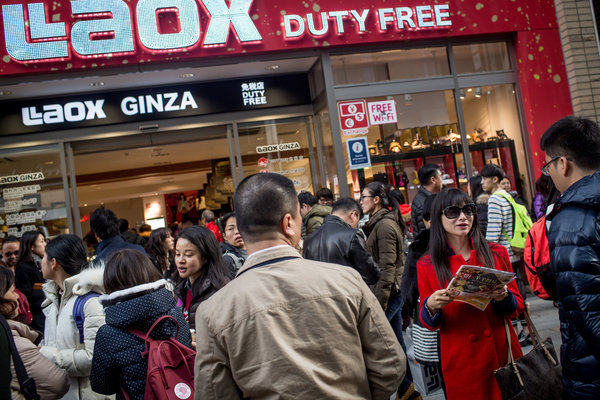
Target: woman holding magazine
<point>472,342</point>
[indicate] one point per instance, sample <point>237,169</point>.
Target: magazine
<point>473,285</point>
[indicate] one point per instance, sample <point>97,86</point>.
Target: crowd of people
<point>298,296</point>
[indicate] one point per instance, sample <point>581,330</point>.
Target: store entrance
<point>161,178</point>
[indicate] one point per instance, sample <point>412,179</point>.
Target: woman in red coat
<point>472,342</point>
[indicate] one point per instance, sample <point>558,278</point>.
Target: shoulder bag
<point>536,375</point>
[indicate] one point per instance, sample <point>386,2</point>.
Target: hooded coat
<point>314,219</point>
<point>385,242</point>
<point>51,381</point>
<point>61,343</point>
<point>574,240</point>
<point>117,362</point>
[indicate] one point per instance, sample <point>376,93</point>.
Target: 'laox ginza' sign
<point>153,103</point>
<point>103,28</point>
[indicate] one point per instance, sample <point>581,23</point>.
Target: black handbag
<point>536,375</point>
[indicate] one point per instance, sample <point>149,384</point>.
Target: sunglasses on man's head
<point>453,212</point>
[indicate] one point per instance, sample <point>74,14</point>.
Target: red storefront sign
<point>48,36</point>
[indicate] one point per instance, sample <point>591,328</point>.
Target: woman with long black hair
<point>160,247</point>
<point>28,274</point>
<point>201,268</point>
<point>472,342</point>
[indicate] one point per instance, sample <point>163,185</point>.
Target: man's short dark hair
<point>492,170</point>
<point>104,223</point>
<point>123,225</point>
<point>307,198</point>
<point>428,171</point>
<point>10,239</point>
<point>261,201</point>
<point>576,138</point>
<point>347,204</point>
<point>325,193</point>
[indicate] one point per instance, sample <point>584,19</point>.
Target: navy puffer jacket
<point>574,239</point>
<point>117,361</point>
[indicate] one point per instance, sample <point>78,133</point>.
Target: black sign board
<point>96,109</point>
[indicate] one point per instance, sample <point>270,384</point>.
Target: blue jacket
<point>117,361</point>
<point>107,247</point>
<point>574,240</point>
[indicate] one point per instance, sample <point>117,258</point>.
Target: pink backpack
<point>170,366</point>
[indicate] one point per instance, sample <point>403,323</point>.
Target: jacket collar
<point>424,191</point>
<point>130,292</point>
<point>334,219</point>
<point>374,219</point>
<point>584,193</point>
<point>108,242</point>
<point>267,255</point>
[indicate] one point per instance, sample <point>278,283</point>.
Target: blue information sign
<point>358,153</point>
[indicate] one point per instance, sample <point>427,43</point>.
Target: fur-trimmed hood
<point>90,279</point>
<point>483,198</point>
<point>120,295</point>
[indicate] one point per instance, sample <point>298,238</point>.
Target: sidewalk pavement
<point>545,318</point>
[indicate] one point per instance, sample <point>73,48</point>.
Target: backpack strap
<point>78,315</point>
<point>27,384</point>
<point>511,201</point>
<point>145,336</point>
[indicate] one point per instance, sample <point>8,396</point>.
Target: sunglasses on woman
<point>453,212</point>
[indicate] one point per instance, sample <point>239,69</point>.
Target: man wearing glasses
<point>10,252</point>
<point>572,147</point>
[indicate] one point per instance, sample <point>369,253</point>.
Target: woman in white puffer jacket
<point>64,264</point>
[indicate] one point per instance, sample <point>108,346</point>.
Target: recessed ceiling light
<point>5,92</point>
<point>95,84</point>
<point>273,67</point>
<point>187,76</point>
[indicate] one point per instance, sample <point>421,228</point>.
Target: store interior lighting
<point>478,92</point>
<point>463,94</point>
<point>395,146</point>
<point>408,101</point>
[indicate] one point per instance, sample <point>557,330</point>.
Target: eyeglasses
<point>453,212</point>
<point>546,167</point>
<point>11,253</point>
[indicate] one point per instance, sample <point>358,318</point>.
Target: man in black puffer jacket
<point>572,147</point>
<point>338,241</point>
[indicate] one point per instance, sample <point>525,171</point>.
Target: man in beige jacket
<point>290,328</point>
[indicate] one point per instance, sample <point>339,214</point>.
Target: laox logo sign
<point>105,27</point>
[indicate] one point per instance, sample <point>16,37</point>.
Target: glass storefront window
<point>426,132</point>
<point>389,65</point>
<point>481,57</point>
<point>279,146</point>
<point>328,161</point>
<point>32,196</point>
<point>492,123</point>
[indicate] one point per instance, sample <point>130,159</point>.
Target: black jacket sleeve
<point>362,260</point>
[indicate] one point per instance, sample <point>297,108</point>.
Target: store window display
<point>491,115</point>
